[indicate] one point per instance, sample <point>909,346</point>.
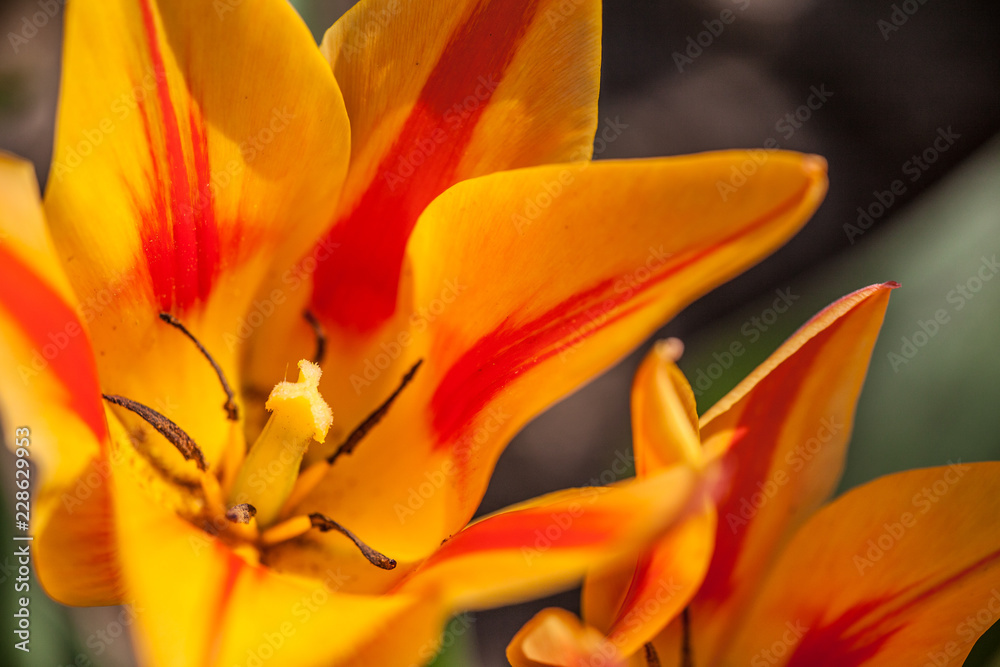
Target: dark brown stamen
<point>169,430</point>
<point>374,418</point>
<point>232,411</point>
<point>325,523</point>
<point>320,333</point>
<point>687,659</point>
<point>241,513</point>
<point>652,657</point>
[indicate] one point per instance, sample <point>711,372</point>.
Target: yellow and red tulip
<point>767,576</point>
<point>422,183</point>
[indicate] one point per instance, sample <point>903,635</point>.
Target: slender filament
<point>168,429</point>
<point>232,411</point>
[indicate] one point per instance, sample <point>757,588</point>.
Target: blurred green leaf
<point>458,643</point>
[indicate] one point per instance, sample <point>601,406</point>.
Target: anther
<point>687,659</point>
<point>652,657</point>
<point>232,411</point>
<point>241,513</point>
<point>320,333</point>
<point>374,418</point>
<point>168,429</point>
<point>325,523</point>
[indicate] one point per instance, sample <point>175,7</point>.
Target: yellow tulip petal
<point>51,401</point>
<point>664,413</point>
<point>546,544</point>
<point>784,431</point>
<point>438,93</point>
<point>556,638</point>
<point>662,583</point>
<point>631,602</point>
<point>197,601</point>
<point>514,317</point>
<point>191,135</point>
<point>904,570</point>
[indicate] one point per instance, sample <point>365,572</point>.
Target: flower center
<point>270,481</point>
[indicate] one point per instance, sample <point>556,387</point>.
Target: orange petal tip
<point>815,165</point>
<point>670,348</point>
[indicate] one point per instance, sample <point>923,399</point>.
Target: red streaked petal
<point>439,93</point>
<point>783,432</point>
<point>538,547</point>
<point>901,571</point>
<point>175,175</point>
<point>513,316</point>
<point>51,401</point>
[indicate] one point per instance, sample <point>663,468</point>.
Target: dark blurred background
<point>888,89</point>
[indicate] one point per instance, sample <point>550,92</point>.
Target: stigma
<point>299,416</point>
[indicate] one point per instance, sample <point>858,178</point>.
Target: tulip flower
<point>899,571</point>
<point>412,207</point>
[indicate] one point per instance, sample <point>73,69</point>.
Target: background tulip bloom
<point>473,233</point>
<point>765,576</point>
<point>190,180</point>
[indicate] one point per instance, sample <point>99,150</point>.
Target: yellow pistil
<point>299,415</point>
